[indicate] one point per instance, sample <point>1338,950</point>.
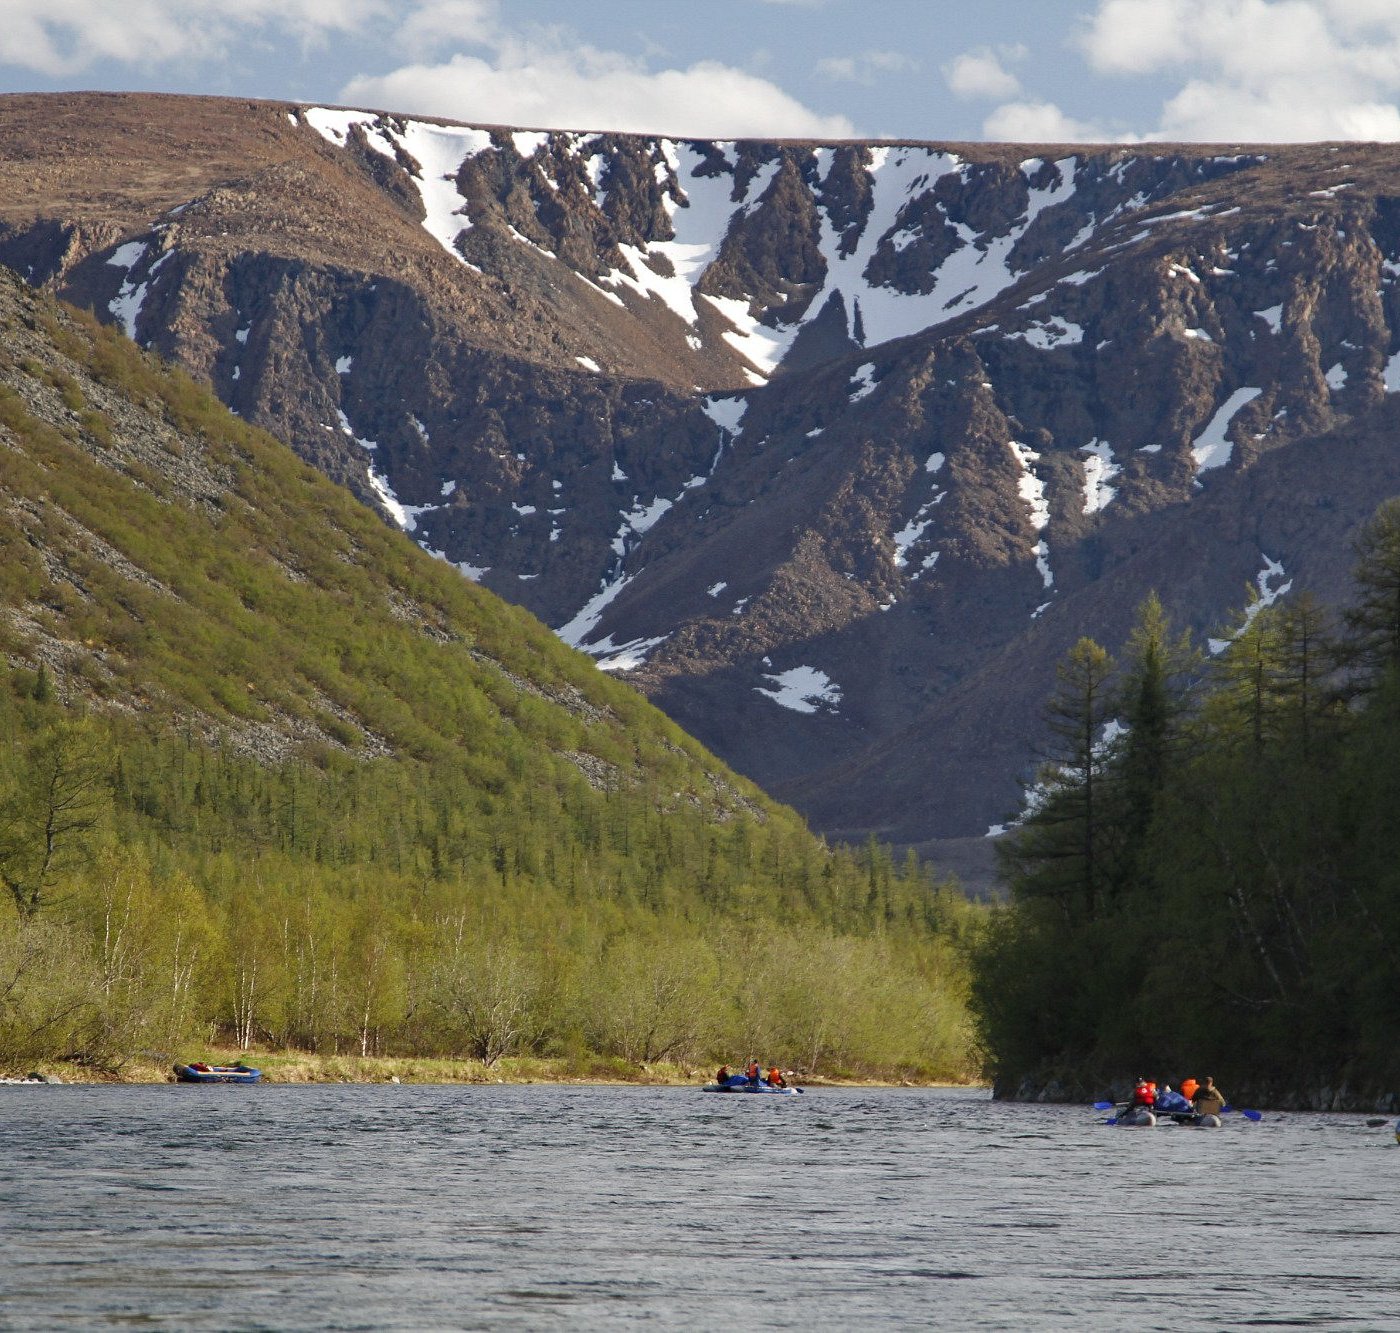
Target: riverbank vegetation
<point>303,1067</point>
<point>166,894</point>
<point>1209,875</point>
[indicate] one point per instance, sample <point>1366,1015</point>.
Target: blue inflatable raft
<point>202,1073</point>
<point>738,1083</point>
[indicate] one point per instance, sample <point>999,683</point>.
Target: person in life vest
<point>723,1076</point>
<point>1188,1088</point>
<point>1209,1100</point>
<point>1144,1094</point>
<point>775,1078</point>
<point>751,1073</point>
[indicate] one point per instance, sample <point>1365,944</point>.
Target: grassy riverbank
<point>302,1067</point>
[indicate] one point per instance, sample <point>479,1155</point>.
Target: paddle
<point>1248,1115</point>
<point>1104,1106</point>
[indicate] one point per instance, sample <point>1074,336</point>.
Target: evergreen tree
<point>1158,671</point>
<point>1058,851</point>
<point>1374,618</point>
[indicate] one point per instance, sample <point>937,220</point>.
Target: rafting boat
<point>199,1072</point>
<point>1139,1117</point>
<point>738,1083</point>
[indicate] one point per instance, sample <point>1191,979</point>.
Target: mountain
<point>833,449</point>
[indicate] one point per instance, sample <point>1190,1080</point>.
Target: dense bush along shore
<point>379,907</point>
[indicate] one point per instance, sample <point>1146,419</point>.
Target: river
<point>359,1207</point>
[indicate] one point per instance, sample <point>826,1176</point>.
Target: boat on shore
<point>199,1072</point>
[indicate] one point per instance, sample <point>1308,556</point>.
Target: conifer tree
<point>1374,619</point>
<point>1058,850</point>
<point>1158,670</point>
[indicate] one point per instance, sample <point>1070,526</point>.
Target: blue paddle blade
<point>1251,1115</point>
<point>1112,1120</point>
<point>1103,1106</point>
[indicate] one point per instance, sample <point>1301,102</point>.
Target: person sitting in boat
<point>752,1073</point>
<point>1144,1094</point>
<point>1209,1100</point>
<point>775,1078</point>
<point>723,1076</point>
<point>1173,1103</point>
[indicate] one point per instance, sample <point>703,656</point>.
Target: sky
<point>1018,70</point>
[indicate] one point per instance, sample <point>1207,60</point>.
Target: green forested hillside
<point>269,772</point>
<point>1217,886</point>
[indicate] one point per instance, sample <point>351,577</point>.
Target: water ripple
<point>498,1207</point>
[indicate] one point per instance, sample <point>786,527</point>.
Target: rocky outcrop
<point>833,449</point>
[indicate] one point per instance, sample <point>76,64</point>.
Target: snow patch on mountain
<point>1272,583</point>
<point>726,413</point>
<point>1212,448</point>
<point>624,656</point>
<point>1099,470</point>
<point>803,689</point>
<point>586,620</point>
<point>1050,333</point>
<point>1032,490</point>
<point>439,151</point>
<point>131,296</point>
<point>406,516</point>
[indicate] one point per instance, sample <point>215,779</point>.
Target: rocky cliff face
<point>834,449</point>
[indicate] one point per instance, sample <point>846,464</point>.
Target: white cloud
<point>1273,70</point>
<point>980,74</point>
<point>546,84</point>
<point>866,67</point>
<point>60,38</point>
<point>1038,122</point>
<point>448,22</point>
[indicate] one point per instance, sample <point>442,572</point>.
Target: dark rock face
<point>835,450</point>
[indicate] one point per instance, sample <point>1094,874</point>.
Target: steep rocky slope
<point>166,564</point>
<point>833,449</point>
